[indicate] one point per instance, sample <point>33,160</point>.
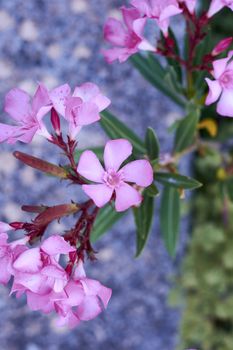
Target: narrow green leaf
<point>143,219</point>
<point>115,129</point>
<point>170,218</point>
<point>106,218</point>
<point>152,191</point>
<point>177,181</point>
<point>186,131</point>
<point>229,188</point>
<point>152,144</point>
<point>143,65</point>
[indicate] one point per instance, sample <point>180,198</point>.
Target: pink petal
<point>29,261</point>
<point>17,104</point>
<point>5,275</point>
<point>89,167</point>
<point>69,320</point>
<point>215,90</point>
<point>3,238</point>
<point>90,92</point>
<point>100,194</point>
<point>79,271</point>
<point>56,244</point>
<point>5,227</point>
<point>93,287</point>
<point>169,11</point>
<point>142,6</point>
<point>122,54</point>
<point>221,65</point>
<point>7,132</point>
<point>89,309</point>
<point>87,113</point>
<point>115,152</point>
<point>225,104</point>
<point>139,172</point>
<point>33,282</point>
<point>126,197</point>
<point>72,104</point>
<point>215,6</point>
<point>27,134</point>
<point>75,293</point>
<point>40,99</point>
<point>114,32</point>
<point>58,97</point>
<point>40,302</point>
<point>129,16</point>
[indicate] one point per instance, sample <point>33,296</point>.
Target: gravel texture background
<point>57,41</point>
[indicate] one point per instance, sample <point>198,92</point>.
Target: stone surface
<point>138,316</point>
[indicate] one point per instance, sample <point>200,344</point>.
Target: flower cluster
<point>37,271</point>
<point>82,107</point>
<point>128,38</point>
<point>48,287</point>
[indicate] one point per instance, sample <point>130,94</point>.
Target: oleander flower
<point>217,5</point>
<point>84,107</point>
<point>27,116</point>
<point>113,180</point>
<point>127,37</point>
<point>38,269</point>
<point>86,299</point>
<point>221,88</point>
<point>159,10</point>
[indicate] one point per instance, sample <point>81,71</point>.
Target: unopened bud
<point>222,46</point>
<point>17,225</point>
<point>55,120</point>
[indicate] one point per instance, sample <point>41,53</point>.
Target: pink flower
<point>28,117</point>
<point>160,10</point>
<point>190,4</point>
<point>112,180</point>
<point>127,38</point>
<point>86,299</point>
<point>222,46</point>
<point>217,5</point>
<point>37,269</point>
<point>84,106</point>
<point>222,87</point>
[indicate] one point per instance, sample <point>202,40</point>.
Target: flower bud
<point>55,120</point>
<point>222,46</point>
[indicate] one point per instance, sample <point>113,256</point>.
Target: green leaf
<point>143,218</point>
<point>152,191</point>
<point>156,77</point>
<point>116,129</point>
<point>105,219</point>
<point>177,181</point>
<point>99,151</point>
<point>185,133</point>
<point>152,144</point>
<point>229,188</point>
<point>170,218</point>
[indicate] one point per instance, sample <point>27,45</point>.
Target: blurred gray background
<point>58,41</point>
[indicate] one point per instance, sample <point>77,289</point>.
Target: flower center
<point>227,79</point>
<point>113,178</point>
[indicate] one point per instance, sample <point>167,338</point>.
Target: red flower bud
<point>222,46</point>
<point>55,120</point>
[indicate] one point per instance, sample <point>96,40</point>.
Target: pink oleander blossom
<point>38,270</point>
<point>159,10</point>
<point>221,88</point>
<point>84,107</point>
<point>112,179</point>
<point>81,108</point>
<point>217,5</point>
<point>127,37</point>
<point>27,116</point>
